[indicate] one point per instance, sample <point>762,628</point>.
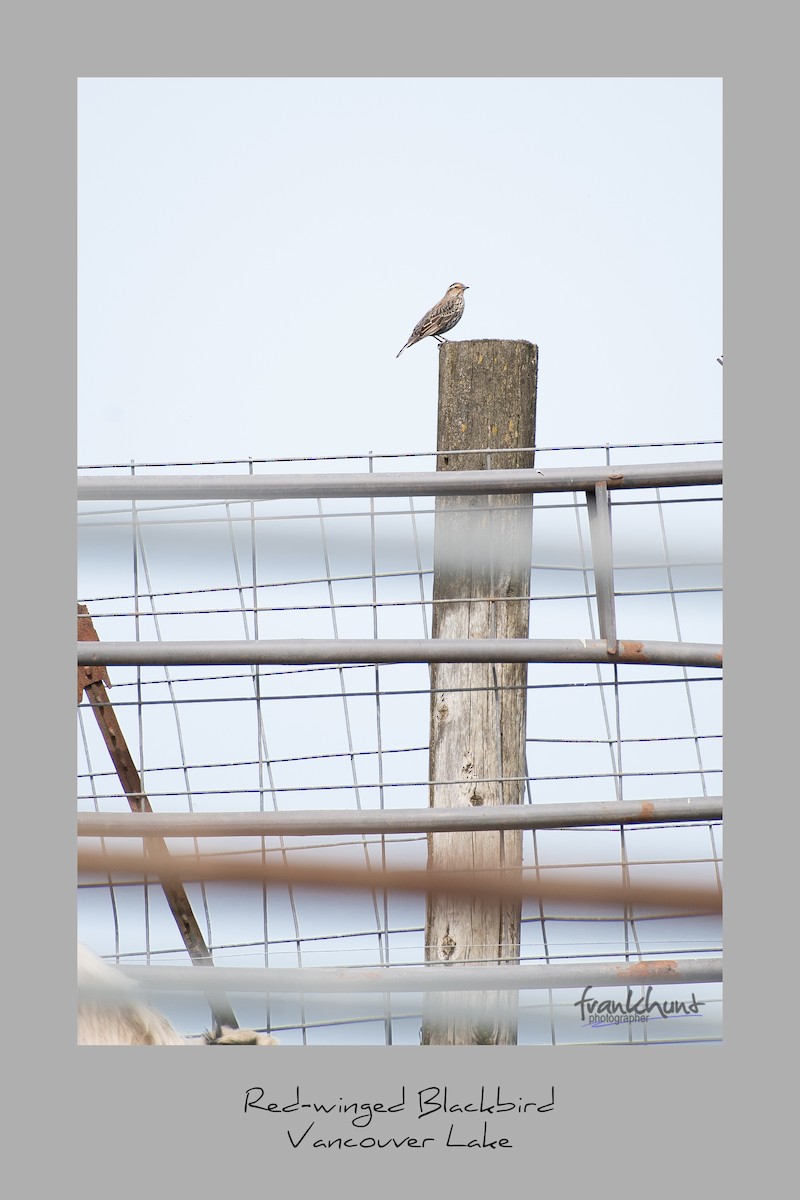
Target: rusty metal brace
<point>93,682</point>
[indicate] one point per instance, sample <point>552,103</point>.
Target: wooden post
<point>482,560</point>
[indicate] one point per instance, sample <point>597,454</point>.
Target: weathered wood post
<point>482,560</point>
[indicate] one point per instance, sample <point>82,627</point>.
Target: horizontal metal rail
<point>406,820</point>
<point>450,978</point>
<point>303,651</point>
<point>396,483</point>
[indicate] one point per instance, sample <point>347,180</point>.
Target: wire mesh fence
<point>352,737</point>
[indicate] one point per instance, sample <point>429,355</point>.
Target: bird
<point>441,318</point>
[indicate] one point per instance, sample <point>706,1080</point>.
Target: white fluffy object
<point>124,1020</point>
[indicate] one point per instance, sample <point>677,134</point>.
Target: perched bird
<point>441,318</point>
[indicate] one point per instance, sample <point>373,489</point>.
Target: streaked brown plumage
<point>441,318</point>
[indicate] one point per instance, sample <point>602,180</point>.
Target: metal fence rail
<point>411,820</point>
<point>453,978</point>
<point>395,483</point>
<point>309,651</point>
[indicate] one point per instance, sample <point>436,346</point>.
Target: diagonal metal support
<point>599,506</point>
<point>92,681</point>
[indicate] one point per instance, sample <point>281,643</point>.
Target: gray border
<point>140,1126</point>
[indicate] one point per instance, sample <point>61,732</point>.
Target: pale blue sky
<point>254,252</point>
